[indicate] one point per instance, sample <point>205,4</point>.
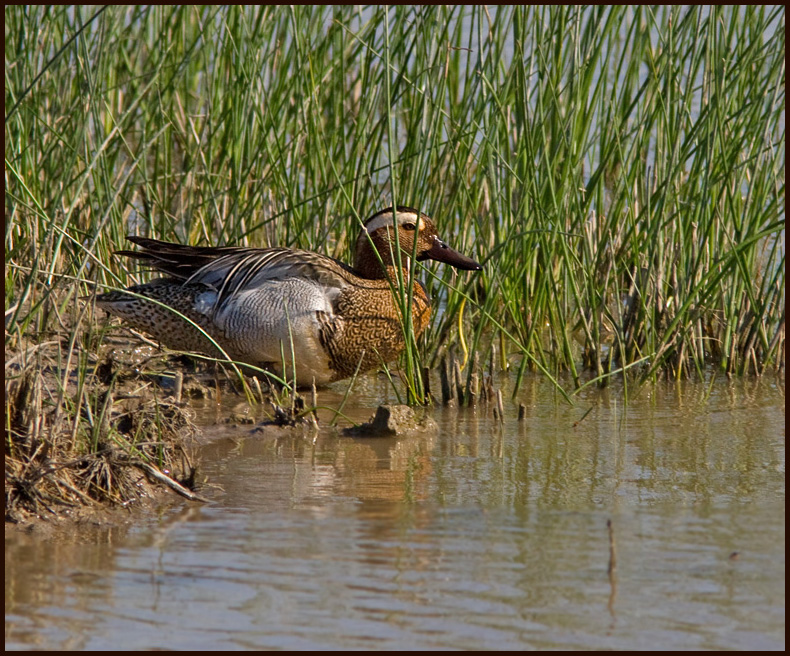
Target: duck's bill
<point>441,252</point>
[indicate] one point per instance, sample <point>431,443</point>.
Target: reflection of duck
<point>257,303</point>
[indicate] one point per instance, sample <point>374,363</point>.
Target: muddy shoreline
<point>123,438</point>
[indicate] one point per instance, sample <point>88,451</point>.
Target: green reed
<point>618,171</point>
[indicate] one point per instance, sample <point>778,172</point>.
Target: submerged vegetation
<point>618,171</point>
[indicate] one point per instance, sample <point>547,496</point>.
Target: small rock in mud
<point>238,418</point>
<point>394,421</point>
<point>193,389</point>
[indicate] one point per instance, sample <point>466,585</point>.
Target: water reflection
<point>486,535</point>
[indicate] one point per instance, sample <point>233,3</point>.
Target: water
<point>482,536</point>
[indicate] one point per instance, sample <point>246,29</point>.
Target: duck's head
<point>412,225</point>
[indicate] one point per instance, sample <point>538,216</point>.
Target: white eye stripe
<point>383,220</point>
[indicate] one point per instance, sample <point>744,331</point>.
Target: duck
<point>294,313</point>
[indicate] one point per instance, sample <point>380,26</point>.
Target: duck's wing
<point>232,270</point>
<point>178,260</point>
<point>251,269</point>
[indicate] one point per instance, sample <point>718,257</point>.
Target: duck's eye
<point>409,226</point>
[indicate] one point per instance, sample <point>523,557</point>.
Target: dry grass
<point>87,432</point>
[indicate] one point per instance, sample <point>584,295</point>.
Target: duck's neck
<point>367,263</point>
<point>372,270</point>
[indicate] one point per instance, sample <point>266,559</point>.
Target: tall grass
<point>619,171</point>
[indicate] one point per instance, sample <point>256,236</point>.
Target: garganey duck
<point>258,302</point>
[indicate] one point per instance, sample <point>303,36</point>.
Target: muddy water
<point>483,536</point>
